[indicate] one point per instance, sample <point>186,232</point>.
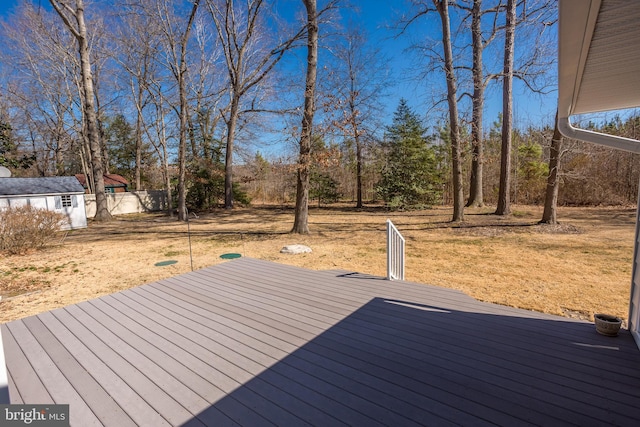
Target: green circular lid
<point>163,263</point>
<point>230,256</point>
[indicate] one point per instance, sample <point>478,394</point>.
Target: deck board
<point>21,372</point>
<point>115,386</point>
<point>251,342</point>
<point>13,391</point>
<point>66,381</point>
<point>453,377</point>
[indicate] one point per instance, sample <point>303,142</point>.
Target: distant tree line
<point>590,175</point>
<point>185,95</point>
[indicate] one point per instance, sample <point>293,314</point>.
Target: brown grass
<point>576,269</point>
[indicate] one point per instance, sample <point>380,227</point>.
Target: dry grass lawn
<point>576,269</point>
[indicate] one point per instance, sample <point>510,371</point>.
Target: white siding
<point>76,214</point>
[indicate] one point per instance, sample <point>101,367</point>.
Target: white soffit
<point>599,63</point>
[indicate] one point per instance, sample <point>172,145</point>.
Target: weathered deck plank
<point>20,371</point>
<point>251,342</point>
<point>13,391</point>
<point>60,325</point>
<point>64,377</point>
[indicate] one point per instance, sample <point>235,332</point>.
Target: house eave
<point>597,71</point>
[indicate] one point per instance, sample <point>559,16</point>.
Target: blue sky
<point>377,16</point>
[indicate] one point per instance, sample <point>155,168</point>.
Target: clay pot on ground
<point>607,325</point>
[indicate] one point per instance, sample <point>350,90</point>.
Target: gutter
<point>619,142</point>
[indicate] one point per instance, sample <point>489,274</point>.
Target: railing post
<point>395,253</point>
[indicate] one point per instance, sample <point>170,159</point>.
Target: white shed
<point>62,194</point>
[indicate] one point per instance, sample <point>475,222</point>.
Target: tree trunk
<point>476,196</point>
<point>456,150</point>
<point>358,169</point>
<point>356,140</point>
<point>167,184</point>
<point>184,108</point>
<point>138,167</point>
<point>228,159</point>
<point>165,162</point>
<point>301,222</point>
<point>79,31</point>
<point>106,161</point>
<point>182,150</point>
<point>353,113</point>
<point>504,202</point>
<point>85,169</point>
<point>549,215</point>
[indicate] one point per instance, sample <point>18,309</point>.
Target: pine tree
<point>410,178</point>
<point>119,137</point>
<point>10,156</point>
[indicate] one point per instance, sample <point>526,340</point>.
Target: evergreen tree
<point>120,145</point>
<point>323,187</point>
<point>9,154</point>
<point>410,178</point>
<point>532,173</point>
<point>121,148</point>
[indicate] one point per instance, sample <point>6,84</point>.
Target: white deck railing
<point>395,253</point>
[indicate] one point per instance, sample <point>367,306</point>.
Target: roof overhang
<point>598,64</point>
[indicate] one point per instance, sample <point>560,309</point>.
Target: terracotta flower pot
<point>607,325</point>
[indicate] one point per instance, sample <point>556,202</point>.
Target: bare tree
<point>184,108</point>
<point>139,43</point>
<point>249,59</point>
<point>442,6</point>
<point>160,139</point>
<point>504,197</point>
<point>301,222</point>
<point>425,7</point>
<point>549,215</point>
<point>72,14</point>
<point>208,89</point>
<point>176,39</point>
<point>356,83</point>
<point>41,89</point>
<point>135,47</point>
<point>479,41</point>
<point>531,69</point>
<point>154,46</point>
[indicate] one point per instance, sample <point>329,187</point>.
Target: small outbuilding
<point>113,183</point>
<point>63,194</point>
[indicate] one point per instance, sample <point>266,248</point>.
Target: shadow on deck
<point>394,362</point>
<point>255,343</point>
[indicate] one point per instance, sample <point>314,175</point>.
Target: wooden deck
<point>255,343</point>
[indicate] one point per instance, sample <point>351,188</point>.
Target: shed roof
<point>40,186</point>
<point>598,68</point>
<point>110,180</point>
